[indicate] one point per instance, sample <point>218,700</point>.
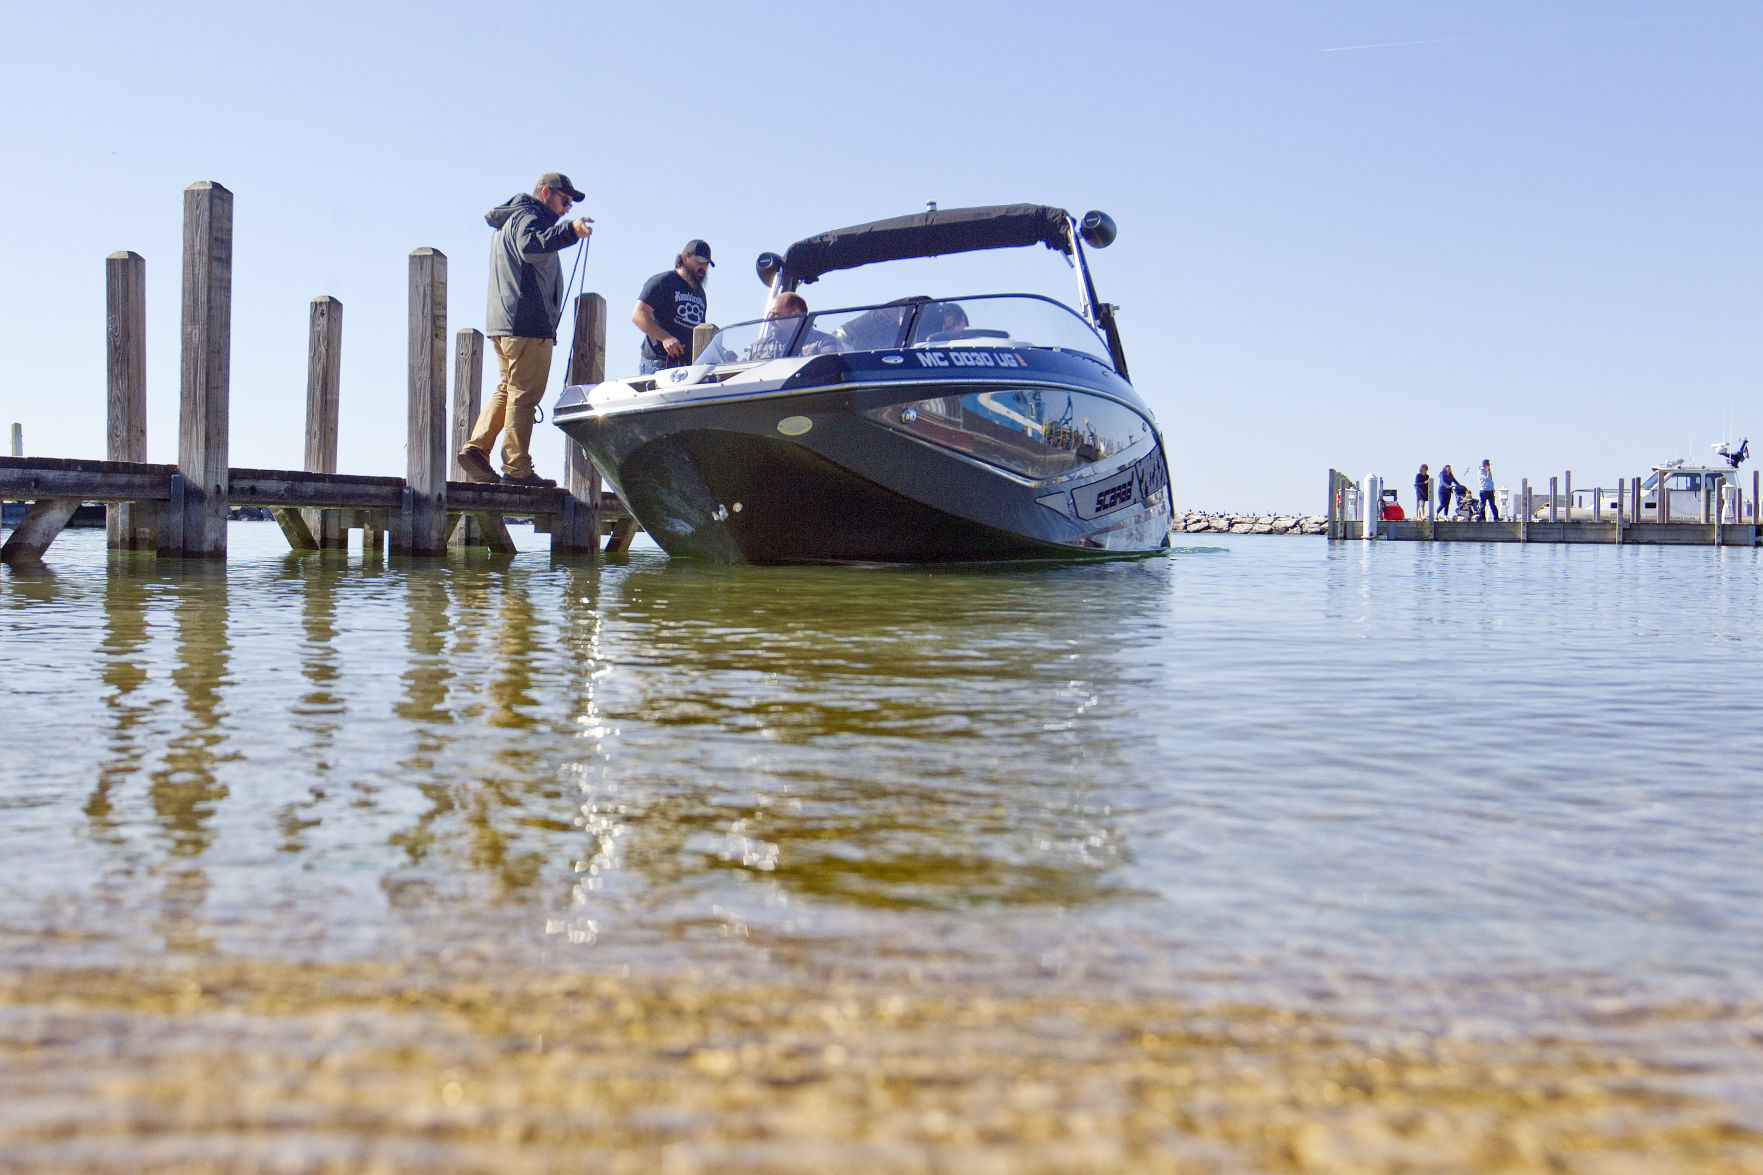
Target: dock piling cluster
<point>182,510</point>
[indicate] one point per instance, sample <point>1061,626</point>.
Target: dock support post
<point>1333,525</point>
<point>468,396</point>
<point>17,439</point>
<point>578,530</point>
<point>1554,497</point>
<point>37,529</point>
<point>206,369</point>
<point>422,525</point>
<point>1664,502</point>
<point>1634,499</point>
<point>471,530</point>
<point>1621,507</point>
<point>1567,495</point>
<point>125,336</point>
<point>321,529</point>
<point>701,336</point>
<point>1524,510</point>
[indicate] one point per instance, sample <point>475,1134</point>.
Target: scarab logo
<point>893,358</point>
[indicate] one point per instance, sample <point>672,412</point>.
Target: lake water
<point>1268,854</point>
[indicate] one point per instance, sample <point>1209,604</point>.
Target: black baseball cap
<point>699,250</point>
<point>558,182</point>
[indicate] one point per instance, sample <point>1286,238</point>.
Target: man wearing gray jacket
<point>526,300</point>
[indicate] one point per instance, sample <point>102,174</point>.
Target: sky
<point>1357,234</point>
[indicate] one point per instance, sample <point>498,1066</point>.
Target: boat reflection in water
<point>993,427</point>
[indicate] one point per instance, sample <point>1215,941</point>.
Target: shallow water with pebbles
<point>1262,855</point>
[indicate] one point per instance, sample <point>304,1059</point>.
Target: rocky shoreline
<point>1198,522</point>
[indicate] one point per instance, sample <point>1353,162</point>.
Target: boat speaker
<point>767,267</point>
<point>1098,229</point>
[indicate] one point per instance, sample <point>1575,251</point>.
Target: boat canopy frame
<point>931,233</point>
<point>939,231</point>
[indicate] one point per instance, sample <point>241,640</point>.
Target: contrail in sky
<point>1572,28</point>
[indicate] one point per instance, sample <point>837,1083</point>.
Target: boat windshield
<point>992,320</point>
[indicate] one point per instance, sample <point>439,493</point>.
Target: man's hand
<point>583,226</point>
<point>673,347</point>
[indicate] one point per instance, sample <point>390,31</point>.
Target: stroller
<point>1468,507</point>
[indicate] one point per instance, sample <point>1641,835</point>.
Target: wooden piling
<point>206,372</point>
<point>17,439</point>
<point>577,531</point>
<point>422,521</point>
<point>470,530</point>
<point>1524,510</point>
<point>701,336</point>
<point>324,358</point>
<point>127,525</point>
<point>324,364</point>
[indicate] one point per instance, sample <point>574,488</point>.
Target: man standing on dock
<point>1488,505</point>
<point>671,304</point>
<point>526,301</point>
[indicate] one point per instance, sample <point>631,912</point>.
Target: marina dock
<point>181,510</point>
<point>1614,515</point>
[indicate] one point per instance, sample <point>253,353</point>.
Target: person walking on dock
<point>1422,491</point>
<point>1488,505</point>
<point>526,302</point>
<point>671,305</point>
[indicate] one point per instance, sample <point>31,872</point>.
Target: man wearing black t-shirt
<point>671,304</point>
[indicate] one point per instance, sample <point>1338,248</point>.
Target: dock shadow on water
<point>319,863</point>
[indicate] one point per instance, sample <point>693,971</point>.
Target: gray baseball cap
<point>558,182</point>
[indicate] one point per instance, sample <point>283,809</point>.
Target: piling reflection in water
<point>825,731</point>
<point>318,712</point>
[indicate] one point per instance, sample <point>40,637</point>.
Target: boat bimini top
<point>936,232</point>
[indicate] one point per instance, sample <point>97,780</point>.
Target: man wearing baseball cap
<point>671,304</point>
<point>526,300</point>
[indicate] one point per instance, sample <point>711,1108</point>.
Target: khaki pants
<point>525,366</point>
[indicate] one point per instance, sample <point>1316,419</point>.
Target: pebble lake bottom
<point>1269,854</point>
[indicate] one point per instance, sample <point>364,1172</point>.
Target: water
<point>1465,834</point>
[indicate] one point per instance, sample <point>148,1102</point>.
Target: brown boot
<point>477,466</point>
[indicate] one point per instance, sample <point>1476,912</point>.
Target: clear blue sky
<point>1362,233</point>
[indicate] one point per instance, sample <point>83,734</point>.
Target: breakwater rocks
<point>1196,522</point>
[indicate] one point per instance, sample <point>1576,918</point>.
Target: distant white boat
<point>1693,493</point>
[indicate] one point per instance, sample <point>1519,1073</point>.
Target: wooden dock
<point>181,510</point>
<point>1558,519</point>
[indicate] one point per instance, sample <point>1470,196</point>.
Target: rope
<point>569,300</point>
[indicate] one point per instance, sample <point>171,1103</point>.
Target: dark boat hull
<point>832,474</point>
